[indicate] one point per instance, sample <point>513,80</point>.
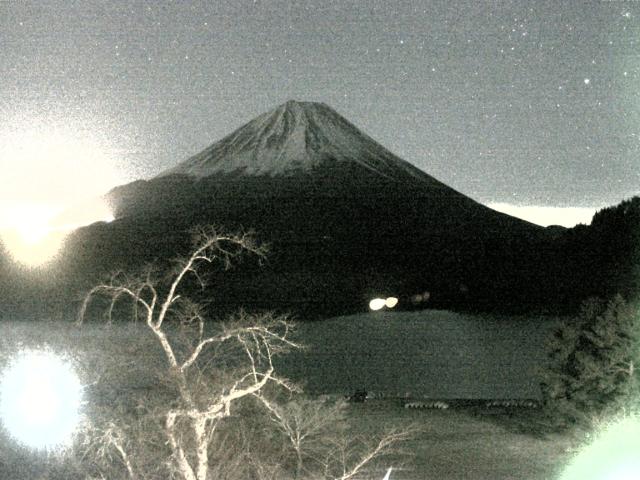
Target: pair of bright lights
<point>380,303</point>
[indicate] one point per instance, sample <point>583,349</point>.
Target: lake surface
<point>436,354</point>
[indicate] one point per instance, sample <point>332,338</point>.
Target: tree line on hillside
<point>553,273</point>
<point>602,259</point>
<point>324,273</point>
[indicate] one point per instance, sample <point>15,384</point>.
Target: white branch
<point>176,447</point>
<point>383,446</point>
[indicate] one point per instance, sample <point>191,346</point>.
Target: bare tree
<point>349,456</point>
<point>199,409</point>
<point>308,425</point>
<point>215,372</point>
<point>324,447</point>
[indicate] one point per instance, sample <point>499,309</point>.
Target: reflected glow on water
<point>40,396</point>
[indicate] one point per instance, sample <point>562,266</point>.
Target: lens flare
<point>34,234</point>
<point>52,164</point>
<point>40,397</point>
<point>51,178</point>
<point>27,234</point>
<point>614,455</point>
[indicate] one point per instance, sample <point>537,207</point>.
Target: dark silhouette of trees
<point>593,363</point>
<point>602,259</point>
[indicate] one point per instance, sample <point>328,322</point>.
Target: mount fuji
<point>345,219</point>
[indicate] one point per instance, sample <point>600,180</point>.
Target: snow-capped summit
<point>296,137</point>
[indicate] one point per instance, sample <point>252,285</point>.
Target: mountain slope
<point>298,148</point>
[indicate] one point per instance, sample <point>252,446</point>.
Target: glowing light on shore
<point>40,399</point>
<point>377,304</point>
<point>27,234</point>
<point>614,455</point>
<point>391,302</point>
<point>380,303</point>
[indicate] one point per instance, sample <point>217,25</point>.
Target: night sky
<point>517,102</point>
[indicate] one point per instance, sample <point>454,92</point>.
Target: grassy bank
<point>459,444</point>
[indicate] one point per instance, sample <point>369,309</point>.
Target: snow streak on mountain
<point>295,138</point>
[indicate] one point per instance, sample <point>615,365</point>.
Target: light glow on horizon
<point>40,399</point>
<point>27,233</point>
<point>34,234</point>
<point>545,216</point>
<point>51,183</point>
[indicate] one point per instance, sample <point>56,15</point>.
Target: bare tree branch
<point>189,425</point>
<point>209,372</point>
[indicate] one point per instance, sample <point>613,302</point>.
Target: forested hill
<point>601,259</point>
